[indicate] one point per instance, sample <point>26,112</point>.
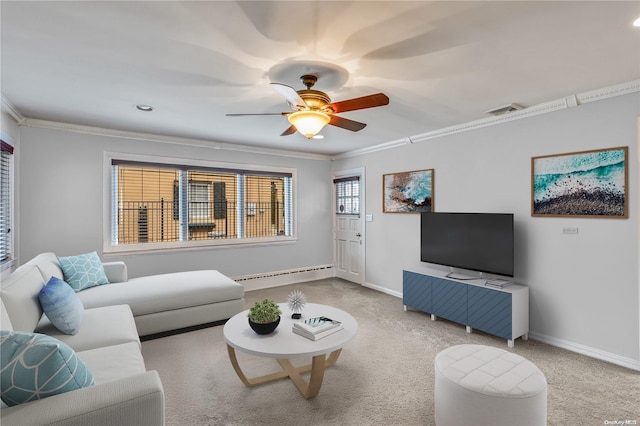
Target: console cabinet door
<point>416,291</point>
<point>490,311</point>
<point>449,300</point>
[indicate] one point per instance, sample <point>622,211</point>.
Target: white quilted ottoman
<point>485,386</point>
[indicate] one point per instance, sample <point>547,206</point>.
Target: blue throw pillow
<point>36,366</point>
<point>61,305</point>
<point>83,271</point>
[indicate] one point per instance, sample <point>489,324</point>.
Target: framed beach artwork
<point>408,192</point>
<point>581,184</point>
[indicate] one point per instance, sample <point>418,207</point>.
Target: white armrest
<point>116,271</point>
<point>136,400</point>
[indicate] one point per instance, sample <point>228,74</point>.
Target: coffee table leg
<point>333,358</point>
<point>236,366</point>
<point>317,375</point>
<point>308,390</point>
<point>255,381</point>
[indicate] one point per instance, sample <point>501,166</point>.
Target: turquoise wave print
<point>581,184</point>
<point>408,192</point>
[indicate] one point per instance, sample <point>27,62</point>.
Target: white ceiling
<point>440,62</point>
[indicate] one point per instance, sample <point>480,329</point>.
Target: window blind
<point>6,199</point>
<point>154,203</point>
<point>144,204</point>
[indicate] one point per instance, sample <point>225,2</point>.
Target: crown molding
<point>8,107</point>
<point>149,137</point>
<point>493,121</point>
<point>543,108</point>
<point>609,92</point>
<point>375,148</point>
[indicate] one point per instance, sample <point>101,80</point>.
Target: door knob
<point>358,234</point>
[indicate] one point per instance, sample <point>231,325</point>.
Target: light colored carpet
<point>384,377</point>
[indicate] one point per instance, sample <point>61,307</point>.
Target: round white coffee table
<point>283,344</point>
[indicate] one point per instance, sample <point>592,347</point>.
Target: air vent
<point>504,109</point>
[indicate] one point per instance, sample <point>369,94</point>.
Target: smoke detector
<point>504,109</point>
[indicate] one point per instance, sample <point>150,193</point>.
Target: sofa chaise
<point>107,342</point>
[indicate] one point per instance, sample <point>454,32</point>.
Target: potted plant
<point>264,316</point>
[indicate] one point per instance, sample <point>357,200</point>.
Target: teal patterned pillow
<point>83,271</point>
<point>35,366</point>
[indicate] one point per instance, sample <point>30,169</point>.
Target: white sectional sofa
<point>108,341</point>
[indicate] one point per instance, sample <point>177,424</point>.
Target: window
<point>6,201</point>
<point>172,205</point>
<point>199,200</point>
<point>347,195</point>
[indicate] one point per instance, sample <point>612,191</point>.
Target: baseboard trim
<point>586,350</point>
<point>285,277</point>
<point>383,290</point>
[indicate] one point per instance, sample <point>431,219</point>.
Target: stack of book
<point>498,283</point>
<point>316,328</point>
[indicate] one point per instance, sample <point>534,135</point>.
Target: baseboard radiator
<point>280,278</point>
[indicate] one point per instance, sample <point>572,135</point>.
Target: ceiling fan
<point>313,109</point>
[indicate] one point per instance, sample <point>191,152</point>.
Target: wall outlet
<point>369,218</point>
<point>570,231</point>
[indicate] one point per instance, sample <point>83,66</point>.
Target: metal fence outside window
<point>156,221</point>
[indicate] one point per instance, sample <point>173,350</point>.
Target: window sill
<point>7,264</point>
<point>147,248</point>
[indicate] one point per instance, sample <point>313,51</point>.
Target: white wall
<point>61,181</point>
<point>583,288</point>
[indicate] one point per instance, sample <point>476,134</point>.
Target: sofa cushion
<point>83,271</point>
<point>116,271</point>
<point>62,306</point>
<point>114,362</point>
<point>5,321</point>
<point>48,265</point>
<point>35,366</point>
<point>19,292</point>
<point>166,292</point>
<point>109,325</point>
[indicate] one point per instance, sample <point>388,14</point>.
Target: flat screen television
<point>480,242</point>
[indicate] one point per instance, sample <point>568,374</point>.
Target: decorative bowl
<point>264,328</point>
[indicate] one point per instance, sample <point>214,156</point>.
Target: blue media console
<point>502,312</point>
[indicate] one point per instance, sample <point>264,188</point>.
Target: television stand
<point>502,312</point>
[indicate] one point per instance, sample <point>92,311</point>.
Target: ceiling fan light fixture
<point>309,122</point>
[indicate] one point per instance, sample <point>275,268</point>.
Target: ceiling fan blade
<point>370,101</point>
<point>290,130</point>
<point>265,113</point>
<point>290,95</point>
<point>345,123</point>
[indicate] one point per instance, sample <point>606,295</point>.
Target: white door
<point>349,228</point>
